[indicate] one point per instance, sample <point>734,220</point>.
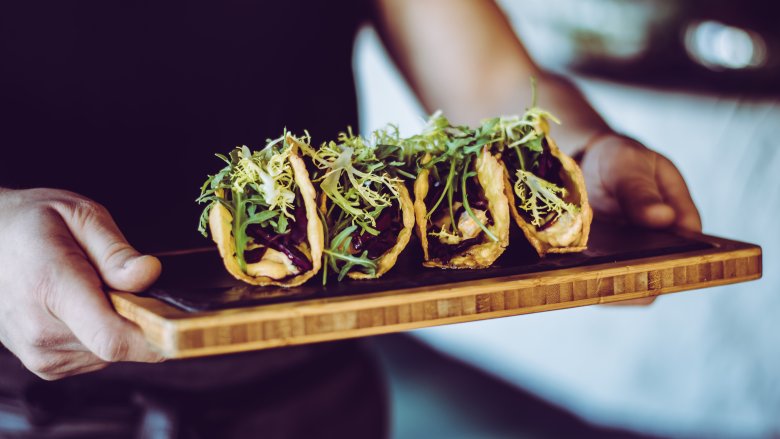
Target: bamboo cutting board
<point>197,309</point>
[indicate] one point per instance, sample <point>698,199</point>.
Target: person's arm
<point>462,56</point>
<point>57,251</point>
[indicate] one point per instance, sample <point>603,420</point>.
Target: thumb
<point>641,199</point>
<point>120,265</point>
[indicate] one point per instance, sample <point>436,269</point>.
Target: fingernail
<point>131,259</point>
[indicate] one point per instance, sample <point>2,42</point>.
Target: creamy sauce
<point>274,264</point>
<point>564,232</point>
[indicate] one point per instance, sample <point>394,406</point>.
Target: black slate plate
<point>198,281</point>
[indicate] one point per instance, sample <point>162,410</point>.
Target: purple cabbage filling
<point>285,243</point>
<point>389,225</point>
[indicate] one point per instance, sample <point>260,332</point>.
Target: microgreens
<point>256,188</point>
<point>524,138</point>
<point>539,197</point>
<point>447,152</point>
<point>359,186</point>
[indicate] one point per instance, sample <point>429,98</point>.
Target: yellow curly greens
<point>256,188</point>
<point>519,132</point>
<point>446,235</point>
<point>353,179</point>
<point>520,139</point>
<point>269,174</point>
<point>360,186</point>
<point>539,197</point>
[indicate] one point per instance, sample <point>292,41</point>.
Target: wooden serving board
<point>196,309</point>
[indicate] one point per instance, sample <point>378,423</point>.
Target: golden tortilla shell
<point>221,226</point>
<point>577,194</point>
<point>479,255</point>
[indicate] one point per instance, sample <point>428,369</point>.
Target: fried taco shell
<point>274,268</point>
<point>484,253</point>
<point>569,233</point>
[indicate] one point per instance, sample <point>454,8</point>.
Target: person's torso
<point>127,101</point>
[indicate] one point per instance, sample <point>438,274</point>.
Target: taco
<point>262,215</point>
<point>461,209</point>
<point>545,187</point>
<point>366,209</point>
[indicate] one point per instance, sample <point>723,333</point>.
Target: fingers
<point>644,185</point>
<point>676,193</point>
<point>56,365</point>
<point>641,199</point>
<point>658,198</point>
<point>119,264</point>
<point>54,314</point>
<point>79,302</point>
<point>47,348</point>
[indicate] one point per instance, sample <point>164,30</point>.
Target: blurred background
<point>698,81</point>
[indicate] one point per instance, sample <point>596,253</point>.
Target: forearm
<point>464,58</point>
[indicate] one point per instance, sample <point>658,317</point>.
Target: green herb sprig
<point>256,188</point>
<point>448,152</point>
<point>359,186</point>
<point>521,141</point>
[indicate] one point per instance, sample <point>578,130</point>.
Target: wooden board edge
<point>160,332</point>
<point>389,329</point>
<point>187,320</point>
<point>167,327</point>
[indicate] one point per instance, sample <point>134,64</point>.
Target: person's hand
<point>57,250</point>
<point>626,179</point>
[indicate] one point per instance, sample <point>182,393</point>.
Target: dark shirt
<point>126,102</point>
